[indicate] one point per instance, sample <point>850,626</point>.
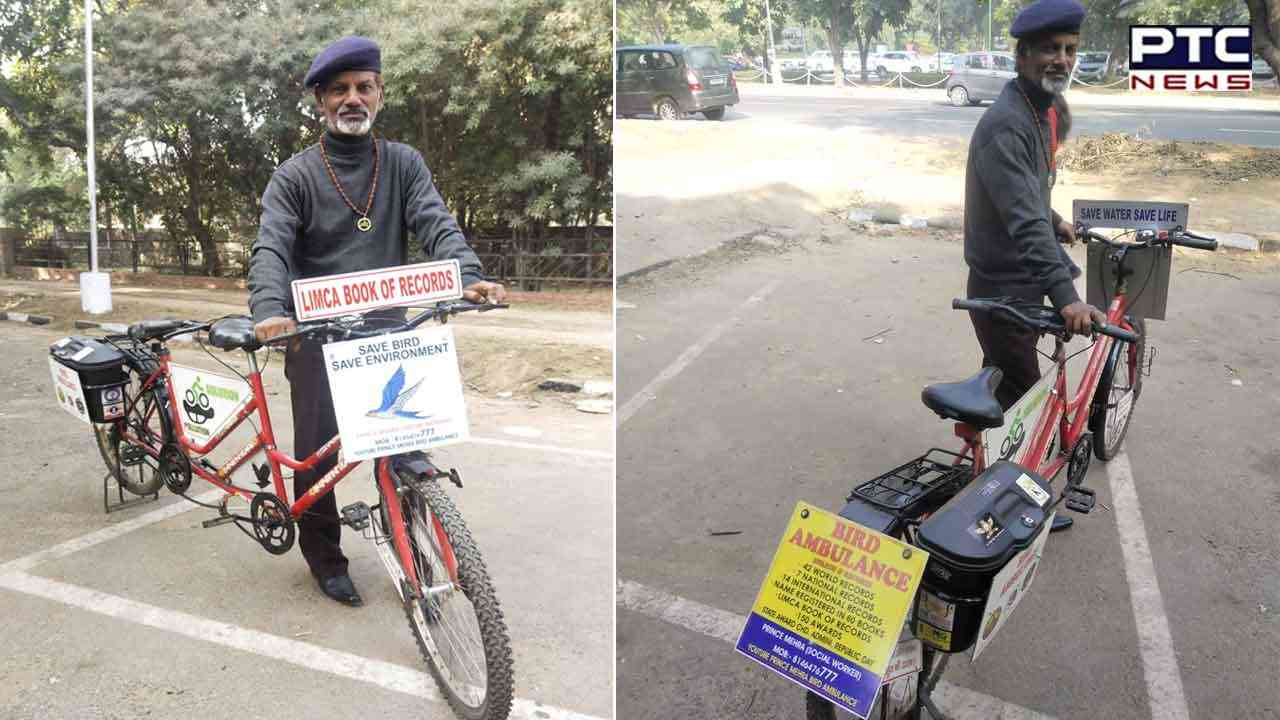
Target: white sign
<point>1013,437</point>
<point>1009,587</point>
<point>396,393</point>
<point>357,292</point>
<point>66,386</point>
<point>1130,215</point>
<point>207,402</point>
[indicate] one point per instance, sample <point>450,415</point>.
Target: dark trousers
<point>1010,347</point>
<point>314,425</point>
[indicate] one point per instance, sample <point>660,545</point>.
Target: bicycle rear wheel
<point>458,626</point>
<point>134,469</point>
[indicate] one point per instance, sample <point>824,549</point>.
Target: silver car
<point>979,76</point>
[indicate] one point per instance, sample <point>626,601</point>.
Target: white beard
<point>1054,87</point>
<point>352,127</point>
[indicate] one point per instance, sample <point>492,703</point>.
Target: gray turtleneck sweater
<point>308,231</point>
<point>1010,243</point>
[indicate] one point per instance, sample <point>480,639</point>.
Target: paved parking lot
<point>749,381</point>
<point>144,613</point>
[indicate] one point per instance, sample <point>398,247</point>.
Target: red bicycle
<point>447,595</point>
<point>980,511</point>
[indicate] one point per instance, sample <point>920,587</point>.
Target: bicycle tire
<point>1109,399</point>
<point>429,618</point>
<point>145,418</point>
<point>817,707</point>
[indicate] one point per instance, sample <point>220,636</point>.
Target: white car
<point>898,61</point>
<point>820,61</point>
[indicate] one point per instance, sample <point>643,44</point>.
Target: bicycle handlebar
<point>349,329</point>
<point>1185,238</point>
<point>1050,321</point>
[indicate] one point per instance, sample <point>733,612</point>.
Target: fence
<point>578,257</point>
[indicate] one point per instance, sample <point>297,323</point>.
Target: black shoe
<point>340,588</point>
<point>1061,522</point>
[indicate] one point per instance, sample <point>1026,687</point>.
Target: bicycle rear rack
<point>918,486</point>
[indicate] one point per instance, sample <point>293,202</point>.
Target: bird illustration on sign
<point>394,397</point>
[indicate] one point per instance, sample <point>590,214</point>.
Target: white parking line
<point>1272,132</point>
<point>386,675</point>
<point>1159,662</point>
<point>601,454</point>
<point>649,391</point>
<point>107,533</point>
<point>957,702</point>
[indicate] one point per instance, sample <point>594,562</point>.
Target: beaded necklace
<point>364,224</point>
<point>1048,159</point>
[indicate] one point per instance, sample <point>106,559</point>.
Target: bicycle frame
<point>1068,417</point>
<point>264,442</point>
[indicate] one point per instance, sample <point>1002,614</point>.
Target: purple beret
<point>349,53</point>
<point>1048,16</point>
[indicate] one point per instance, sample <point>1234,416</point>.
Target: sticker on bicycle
<point>358,292</point>
<point>1034,491</point>
<point>207,402</point>
<point>830,610</point>
<point>67,388</point>
<point>1008,588</point>
<point>1130,215</point>
<point>1011,440</point>
<point>397,393</point>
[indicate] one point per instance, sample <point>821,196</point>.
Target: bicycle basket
<point>102,372</point>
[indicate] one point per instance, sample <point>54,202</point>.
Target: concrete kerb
<point>26,318</point>
<point>1188,101</point>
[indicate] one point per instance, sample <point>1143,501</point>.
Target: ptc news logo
<point>1190,57</point>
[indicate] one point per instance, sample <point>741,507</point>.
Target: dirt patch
<point>495,359</point>
<point>1119,153</point>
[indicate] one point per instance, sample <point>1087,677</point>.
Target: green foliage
<point>197,102</point>
<point>643,22</point>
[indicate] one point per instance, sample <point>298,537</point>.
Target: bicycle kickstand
<point>121,503</point>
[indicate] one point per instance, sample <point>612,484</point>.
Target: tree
<point>1264,17</point>
<point>869,18</point>
<point>657,20</point>
<point>835,19</point>
<point>753,27</point>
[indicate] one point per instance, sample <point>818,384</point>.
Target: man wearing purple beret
<point>343,205</point>
<point>1011,231</point>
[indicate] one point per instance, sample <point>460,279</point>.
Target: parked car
<point>820,61</point>
<point>979,76</point>
<point>1092,66</point>
<point>897,61</point>
<point>672,80</point>
<point>1261,69</point>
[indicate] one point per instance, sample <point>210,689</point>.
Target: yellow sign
<point>829,613</point>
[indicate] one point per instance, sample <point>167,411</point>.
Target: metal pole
<point>89,149</point>
<point>773,54</point>
<point>990,42</point>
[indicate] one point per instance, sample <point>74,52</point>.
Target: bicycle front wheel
<point>1118,389</point>
<point>458,624</point>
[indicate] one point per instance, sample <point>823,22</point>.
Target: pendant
<point>364,224</point>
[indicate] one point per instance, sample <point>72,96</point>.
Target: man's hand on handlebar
<point>484,292</point>
<point>1066,232</point>
<point>1080,318</point>
<point>272,327</point>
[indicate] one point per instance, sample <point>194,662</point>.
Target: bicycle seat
<point>233,333</point>
<point>149,329</point>
<point>970,401</point>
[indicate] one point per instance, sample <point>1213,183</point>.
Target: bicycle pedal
<point>131,455</point>
<point>454,477</point>
<point>1080,499</point>
<point>356,515</point>
<point>263,473</point>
